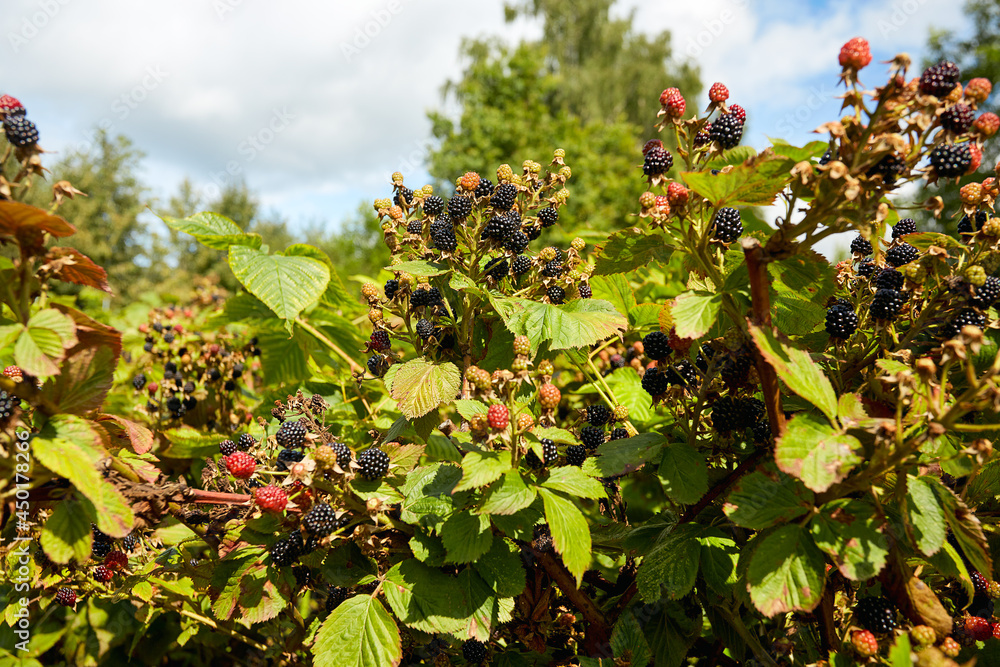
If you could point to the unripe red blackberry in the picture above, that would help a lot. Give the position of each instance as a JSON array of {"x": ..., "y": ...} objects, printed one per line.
[
  {"x": 240, "y": 465},
  {"x": 718, "y": 92},
  {"x": 727, "y": 131},
  {"x": 498, "y": 416},
  {"x": 658, "y": 161},
  {"x": 657, "y": 345},
  {"x": 957, "y": 118},
  {"x": 864, "y": 643},
  {"x": 739, "y": 112},
  {"x": 901, "y": 254},
  {"x": 951, "y": 160},
  {"x": 66, "y": 597},
  {"x": 940, "y": 79},
  {"x": 291, "y": 434},
  {"x": 855, "y": 54},
  {"x": 11, "y": 106},
  {"x": 987, "y": 124},
  {"x": 576, "y": 455},
  {"x": 727, "y": 226},
  {"x": 591, "y": 437},
  {"x": 549, "y": 396},
  {"x": 674, "y": 105},
  {"x": 271, "y": 498},
  {"x": 103, "y": 574},
  {"x": 374, "y": 463}
]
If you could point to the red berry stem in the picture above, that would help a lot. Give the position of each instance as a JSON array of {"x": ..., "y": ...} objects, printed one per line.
[{"x": 760, "y": 301}]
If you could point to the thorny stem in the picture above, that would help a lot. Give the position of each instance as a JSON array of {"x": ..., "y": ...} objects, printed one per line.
[{"x": 761, "y": 304}]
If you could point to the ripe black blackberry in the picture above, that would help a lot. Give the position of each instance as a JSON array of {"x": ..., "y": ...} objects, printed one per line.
[
  {"x": 591, "y": 437},
  {"x": 516, "y": 242},
  {"x": 598, "y": 414},
  {"x": 657, "y": 345},
  {"x": 727, "y": 130},
  {"x": 728, "y": 225},
  {"x": 403, "y": 198},
  {"x": 520, "y": 265},
  {"x": 336, "y": 595},
  {"x": 979, "y": 583},
  {"x": 504, "y": 197},
  {"x": 957, "y": 118},
  {"x": 20, "y": 131},
  {"x": 687, "y": 372},
  {"x": 425, "y": 328},
  {"x": 886, "y": 304},
  {"x": 655, "y": 382},
  {"x": 443, "y": 235},
  {"x": 286, "y": 551},
  {"x": 576, "y": 455},
  {"x": 827, "y": 156},
  {"x": 556, "y": 294},
  {"x": 939, "y": 80},
  {"x": 343, "y": 454},
  {"x": 861, "y": 246},
  {"x": 66, "y": 597},
  {"x": 169, "y": 337},
  {"x": 484, "y": 189},
  {"x": 903, "y": 227},
  {"x": 532, "y": 232},
  {"x": 548, "y": 216},
  {"x": 129, "y": 542},
  {"x": 617, "y": 361},
  {"x": 497, "y": 268},
  {"x": 964, "y": 317},
  {"x": 139, "y": 381},
  {"x": 286, "y": 456},
  {"x": 889, "y": 279},
  {"x": 841, "y": 321},
  {"x": 951, "y": 160},
  {"x": 889, "y": 168},
  {"x": 379, "y": 340},
  {"x": 415, "y": 227},
  {"x": 433, "y": 205},
  {"x": 658, "y": 161},
  {"x": 585, "y": 291},
  {"x": 901, "y": 254},
  {"x": 620, "y": 433},
  {"x": 988, "y": 292},
  {"x": 188, "y": 387},
  {"x": 867, "y": 268},
  {"x": 549, "y": 451},
  {"x": 474, "y": 651},
  {"x": 542, "y": 538},
  {"x": 495, "y": 228},
  {"x": 727, "y": 415},
  {"x": 969, "y": 225},
  {"x": 981, "y": 606},
  {"x": 762, "y": 431},
  {"x": 875, "y": 614},
  {"x": 374, "y": 463},
  {"x": 459, "y": 207},
  {"x": 320, "y": 521},
  {"x": 303, "y": 576},
  {"x": 735, "y": 369},
  {"x": 420, "y": 297},
  {"x": 227, "y": 447},
  {"x": 552, "y": 269},
  {"x": 291, "y": 434},
  {"x": 100, "y": 548},
  {"x": 7, "y": 405},
  {"x": 377, "y": 365}
]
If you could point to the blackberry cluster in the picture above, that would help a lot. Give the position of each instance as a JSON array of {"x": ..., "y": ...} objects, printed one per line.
[
  {"x": 380, "y": 340},
  {"x": 585, "y": 291},
  {"x": 841, "y": 321},
  {"x": 620, "y": 433},
  {"x": 988, "y": 292},
  {"x": 425, "y": 329},
  {"x": 969, "y": 225},
  {"x": 320, "y": 521},
  {"x": 548, "y": 216},
  {"x": 443, "y": 235},
  {"x": 875, "y": 614},
  {"x": 591, "y": 437},
  {"x": 951, "y": 160},
  {"x": 459, "y": 207},
  {"x": 904, "y": 227},
  {"x": 889, "y": 168},
  {"x": 374, "y": 463},
  {"x": 901, "y": 254},
  {"x": 484, "y": 189},
  {"x": 728, "y": 225},
  {"x": 576, "y": 455},
  {"x": 517, "y": 242},
  {"x": 939, "y": 80},
  {"x": 549, "y": 451},
  {"x": 886, "y": 304},
  {"x": 286, "y": 456},
  {"x": 658, "y": 161},
  {"x": 727, "y": 130},
  {"x": 20, "y": 131},
  {"x": 291, "y": 434},
  {"x": 861, "y": 246},
  {"x": 655, "y": 382},
  {"x": 336, "y": 595},
  {"x": 552, "y": 269},
  {"x": 245, "y": 442},
  {"x": 598, "y": 415},
  {"x": 957, "y": 118},
  {"x": 556, "y": 294},
  {"x": 343, "y": 454},
  {"x": 504, "y": 197},
  {"x": 966, "y": 316},
  {"x": 497, "y": 268},
  {"x": 286, "y": 551},
  {"x": 433, "y": 205},
  {"x": 889, "y": 279},
  {"x": 474, "y": 651},
  {"x": 657, "y": 345},
  {"x": 227, "y": 447},
  {"x": 520, "y": 265},
  {"x": 729, "y": 414}
]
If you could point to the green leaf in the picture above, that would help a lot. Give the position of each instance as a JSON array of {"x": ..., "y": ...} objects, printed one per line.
[
  {"x": 848, "y": 531},
  {"x": 671, "y": 632},
  {"x": 579, "y": 323},
  {"x": 466, "y": 536},
  {"x": 925, "y": 515},
  {"x": 672, "y": 567},
  {"x": 43, "y": 343},
  {"x": 743, "y": 186},
  {"x": 421, "y": 385},
  {"x": 627, "y": 386},
  {"x": 468, "y": 407},
  {"x": 427, "y": 549},
  {"x": 189, "y": 443},
  {"x": 694, "y": 313},
  {"x": 507, "y": 495},
  {"x": 794, "y": 315},
  {"x": 798, "y": 371},
  {"x": 358, "y": 633},
  {"x": 683, "y": 473},
  {"x": 627, "y": 640},
  {"x": 501, "y": 568},
  {"x": 482, "y": 468},
  {"x": 965, "y": 526},
  {"x": 758, "y": 501},
  {"x": 629, "y": 249},
  {"x": 924, "y": 240},
  {"x": 283, "y": 358},
  {"x": 424, "y": 598},
  {"x": 815, "y": 453},
  {"x": 616, "y": 291},
  {"x": 796, "y": 153},
  {"x": 286, "y": 285},
  {"x": 66, "y": 535},
  {"x": 419, "y": 268},
  {"x": 628, "y": 454},
  {"x": 213, "y": 230},
  {"x": 573, "y": 481},
  {"x": 484, "y": 611},
  {"x": 427, "y": 495},
  {"x": 786, "y": 572},
  {"x": 570, "y": 532},
  {"x": 899, "y": 654},
  {"x": 719, "y": 558},
  {"x": 557, "y": 435}
]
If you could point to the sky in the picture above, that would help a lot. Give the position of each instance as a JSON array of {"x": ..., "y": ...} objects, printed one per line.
[{"x": 314, "y": 104}]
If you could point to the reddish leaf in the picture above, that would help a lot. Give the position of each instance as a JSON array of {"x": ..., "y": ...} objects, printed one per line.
[
  {"x": 28, "y": 224},
  {"x": 72, "y": 266},
  {"x": 140, "y": 437}
]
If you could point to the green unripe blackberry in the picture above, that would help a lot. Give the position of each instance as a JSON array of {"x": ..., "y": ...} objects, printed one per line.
[
  {"x": 904, "y": 227},
  {"x": 657, "y": 345},
  {"x": 975, "y": 275},
  {"x": 591, "y": 437},
  {"x": 576, "y": 455},
  {"x": 504, "y": 197},
  {"x": 901, "y": 254},
  {"x": 861, "y": 246},
  {"x": 556, "y": 294},
  {"x": 291, "y": 434},
  {"x": 548, "y": 216},
  {"x": 875, "y": 614},
  {"x": 727, "y": 226},
  {"x": 374, "y": 463}
]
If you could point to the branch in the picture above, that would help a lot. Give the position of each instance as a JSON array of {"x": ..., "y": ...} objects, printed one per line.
[
  {"x": 598, "y": 632},
  {"x": 760, "y": 299},
  {"x": 748, "y": 464}
]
